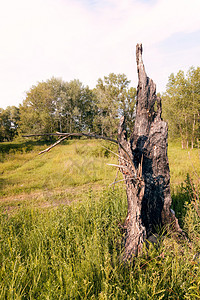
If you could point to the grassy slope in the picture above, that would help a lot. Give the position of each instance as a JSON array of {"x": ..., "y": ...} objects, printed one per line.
[
  {"x": 73, "y": 168},
  {"x": 62, "y": 175},
  {"x": 72, "y": 251}
]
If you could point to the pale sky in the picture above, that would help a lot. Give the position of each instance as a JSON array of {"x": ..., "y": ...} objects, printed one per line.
[{"x": 88, "y": 39}]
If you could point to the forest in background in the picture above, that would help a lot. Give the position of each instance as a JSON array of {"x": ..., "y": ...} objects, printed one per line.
[{"x": 59, "y": 106}]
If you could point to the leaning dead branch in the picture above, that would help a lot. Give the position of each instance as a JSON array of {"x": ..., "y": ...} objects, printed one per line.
[
  {"x": 118, "y": 166},
  {"x": 115, "y": 179},
  {"x": 76, "y": 134},
  {"x": 90, "y": 135},
  {"x": 52, "y": 146},
  {"x": 129, "y": 178}
]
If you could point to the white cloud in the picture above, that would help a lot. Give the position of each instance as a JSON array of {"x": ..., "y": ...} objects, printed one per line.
[{"x": 78, "y": 39}]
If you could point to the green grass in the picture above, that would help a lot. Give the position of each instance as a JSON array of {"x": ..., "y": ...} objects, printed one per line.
[
  {"x": 77, "y": 165},
  {"x": 60, "y": 233},
  {"x": 73, "y": 252},
  {"x": 183, "y": 162},
  {"x": 74, "y": 164}
]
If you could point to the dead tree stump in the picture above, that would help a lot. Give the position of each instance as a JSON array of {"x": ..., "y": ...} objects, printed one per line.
[{"x": 145, "y": 167}]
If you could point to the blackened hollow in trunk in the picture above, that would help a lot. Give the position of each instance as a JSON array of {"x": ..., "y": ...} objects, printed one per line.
[{"x": 146, "y": 167}]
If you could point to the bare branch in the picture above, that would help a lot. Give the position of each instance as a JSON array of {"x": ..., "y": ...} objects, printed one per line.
[
  {"x": 115, "y": 179},
  {"x": 129, "y": 178},
  {"x": 96, "y": 136},
  {"x": 118, "y": 166},
  {"x": 55, "y": 144}
]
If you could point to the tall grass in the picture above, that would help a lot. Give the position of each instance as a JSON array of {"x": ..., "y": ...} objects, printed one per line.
[{"x": 73, "y": 251}]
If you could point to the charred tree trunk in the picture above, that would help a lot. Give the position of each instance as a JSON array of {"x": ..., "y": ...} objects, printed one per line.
[
  {"x": 144, "y": 165},
  {"x": 145, "y": 168}
]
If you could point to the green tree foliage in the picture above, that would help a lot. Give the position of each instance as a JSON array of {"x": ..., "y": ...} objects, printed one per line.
[
  {"x": 61, "y": 106},
  {"x": 56, "y": 105},
  {"x": 37, "y": 110},
  {"x": 79, "y": 107},
  {"x": 114, "y": 99},
  {"x": 193, "y": 92},
  {"x": 181, "y": 104},
  {"x": 9, "y": 119}
]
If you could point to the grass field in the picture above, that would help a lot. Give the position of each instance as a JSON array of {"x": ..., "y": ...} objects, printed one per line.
[{"x": 60, "y": 233}]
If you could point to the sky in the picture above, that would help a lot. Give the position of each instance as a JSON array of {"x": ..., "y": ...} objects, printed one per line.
[{"x": 88, "y": 39}]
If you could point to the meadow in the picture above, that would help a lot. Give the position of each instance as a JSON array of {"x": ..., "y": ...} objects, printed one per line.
[{"x": 61, "y": 226}]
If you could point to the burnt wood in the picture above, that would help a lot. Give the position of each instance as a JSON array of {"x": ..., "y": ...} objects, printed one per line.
[{"x": 148, "y": 194}]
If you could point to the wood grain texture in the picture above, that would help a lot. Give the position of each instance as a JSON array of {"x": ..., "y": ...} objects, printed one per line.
[{"x": 148, "y": 194}]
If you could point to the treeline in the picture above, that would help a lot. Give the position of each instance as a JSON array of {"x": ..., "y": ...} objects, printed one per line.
[
  {"x": 181, "y": 106},
  {"x": 9, "y": 121},
  {"x": 56, "y": 105}
]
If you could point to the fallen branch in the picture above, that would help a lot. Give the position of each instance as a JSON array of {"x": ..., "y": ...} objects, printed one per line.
[{"x": 55, "y": 144}]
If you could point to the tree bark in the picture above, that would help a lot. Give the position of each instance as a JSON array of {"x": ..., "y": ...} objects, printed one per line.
[
  {"x": 148, "y": 182},
  {"x": 144, "y": 164}
]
